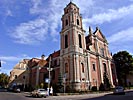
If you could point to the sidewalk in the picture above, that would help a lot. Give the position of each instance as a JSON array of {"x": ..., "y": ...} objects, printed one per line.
[{"x": 82, "y": 96}]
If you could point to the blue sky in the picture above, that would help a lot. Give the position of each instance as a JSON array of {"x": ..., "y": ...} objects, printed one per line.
[{"x": 30, "y": 28}]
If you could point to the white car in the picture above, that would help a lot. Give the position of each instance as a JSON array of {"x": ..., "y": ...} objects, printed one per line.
[{"x": 39, "y": 93}]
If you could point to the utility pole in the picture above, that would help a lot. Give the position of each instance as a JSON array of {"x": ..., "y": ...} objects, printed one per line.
[
  {"x": 0, "y": 63},
  {"x": 49, "y": 69}
]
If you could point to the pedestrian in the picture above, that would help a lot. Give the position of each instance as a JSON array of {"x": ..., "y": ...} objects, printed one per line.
[
  {"x": 51, "y": 91},
  {"x": 48, "y": 91}
]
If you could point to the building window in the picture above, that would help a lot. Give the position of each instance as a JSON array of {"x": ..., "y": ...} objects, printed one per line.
[
  {"x": 16, "y": 76},
  {"x": 66, "y": 68},
  {"x": 83, "y": 70},
  {"x": 66, "y": 22},
  {"x": 104, "y": 66},
  {"x": 53, "y": 74},
  {"x": 102, "y": 51},
  {"x": 66, "y": 41},
  {"x": 23, "y": 77},
  {"x": 77, "y": 21},
  {"x": 80, "y": 42},
  {"x": 55, "y": 62},
  {"x": 94, "y": 67}
]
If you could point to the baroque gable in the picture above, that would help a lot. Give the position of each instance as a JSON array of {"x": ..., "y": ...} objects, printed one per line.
[{"x": 100, "y": 35}]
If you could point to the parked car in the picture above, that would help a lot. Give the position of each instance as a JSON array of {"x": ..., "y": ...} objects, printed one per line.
[
  {"x": 14, "y": 89},
  {"x": 17, "y": 90},
  {"x": 39, "y": 93},
  {"x": 119, "y": 90}
]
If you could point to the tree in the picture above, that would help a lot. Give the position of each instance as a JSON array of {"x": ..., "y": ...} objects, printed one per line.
[
  {"x": 4, "y": 79},
  {"x": 124, "y": 66}
]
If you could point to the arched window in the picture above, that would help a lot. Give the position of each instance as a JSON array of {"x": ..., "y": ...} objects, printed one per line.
[
  {"x": 66, "y": 22},
  {"x": 66, "y": 41},
  {"x": 80, "y": 42},
  {"x": 83, "y": 70},
  {"x": 77, "y": 21}
]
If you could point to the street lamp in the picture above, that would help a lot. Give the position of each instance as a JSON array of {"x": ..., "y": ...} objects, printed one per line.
[{"x": 49, "y": 69}]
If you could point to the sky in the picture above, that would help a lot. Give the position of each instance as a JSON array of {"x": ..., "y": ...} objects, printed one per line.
[{"x": 30, "y": 28}]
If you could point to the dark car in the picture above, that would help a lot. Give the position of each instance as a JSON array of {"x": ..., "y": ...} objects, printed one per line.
[
  {"x": 14, "y": 89},
  {"x": 119, "y": 90},
  {"x": 17, "y": 90}
]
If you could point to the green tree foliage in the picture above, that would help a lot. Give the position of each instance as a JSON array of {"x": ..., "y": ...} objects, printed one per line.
[
  {"x": 4, "y": 79},
  {"x": 124, "y": 65}
]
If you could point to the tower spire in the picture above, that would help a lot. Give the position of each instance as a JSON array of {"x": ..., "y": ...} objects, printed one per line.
[{"x": 90, "y": 31}]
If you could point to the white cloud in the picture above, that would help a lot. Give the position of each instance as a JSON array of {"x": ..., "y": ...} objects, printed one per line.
[
  {"x": 9, "y": 13},
  {"x": 3, "y": 62},
  {"x": 35, "y": 9},
  {"x": 122, "y": 36},
  {"x": 4, "y": 70},
  {"x": 111, "y": 14},
  {"x": 31, "y": 32},
  {"x": 49, "y": 14},
  {"x": 121, "y": 41},
  {"x": 48, "y": 21},
  {"x": 13, "y": 58}
]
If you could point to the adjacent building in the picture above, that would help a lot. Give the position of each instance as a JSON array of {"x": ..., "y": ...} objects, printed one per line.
[{"x": 19, "y": 76}]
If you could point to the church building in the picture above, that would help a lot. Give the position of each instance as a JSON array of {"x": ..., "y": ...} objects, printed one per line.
[{"x": 81, "y": 62}]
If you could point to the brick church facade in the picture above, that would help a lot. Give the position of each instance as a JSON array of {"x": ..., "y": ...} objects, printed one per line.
[{"x": 81, "y": 60}]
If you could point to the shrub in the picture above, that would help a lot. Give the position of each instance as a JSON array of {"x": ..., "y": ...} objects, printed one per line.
[
  {"x": 94, "y": 88},
  {"x": 101, "y": 87}
]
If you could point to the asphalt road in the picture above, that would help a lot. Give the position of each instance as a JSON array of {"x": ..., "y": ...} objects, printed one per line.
[{"x": 25, "y": 96}]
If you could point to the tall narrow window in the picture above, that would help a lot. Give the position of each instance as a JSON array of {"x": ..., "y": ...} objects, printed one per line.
[
  {"x": 66, "y": 41},
  {"x": 53, "y": 74},
  {"x": 83, "y": 70},
  {"x": 66, "y": 68},
  {"x": 104, "y": 65},
  {"x": 80, "y": 42},
  {"x": 102, "y": 51},
  {"x": 16, "y": 76},
  {"x": 94, "y": 67},
  {"x": 77, "y": 21},
  {"x": 55, "y": 62},
  {"x": 66, "y": 22}
]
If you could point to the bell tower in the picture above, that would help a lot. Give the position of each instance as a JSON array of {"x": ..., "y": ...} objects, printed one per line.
[{"x": 72, "y": 58}]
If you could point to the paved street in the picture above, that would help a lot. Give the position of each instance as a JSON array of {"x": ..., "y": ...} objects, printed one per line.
[{"x": 102, "y": 96}]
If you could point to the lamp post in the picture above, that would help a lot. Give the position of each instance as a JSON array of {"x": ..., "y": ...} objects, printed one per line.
[
  {"x": 0, "y": 65},
  {"x": 49, "y": 69}
]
